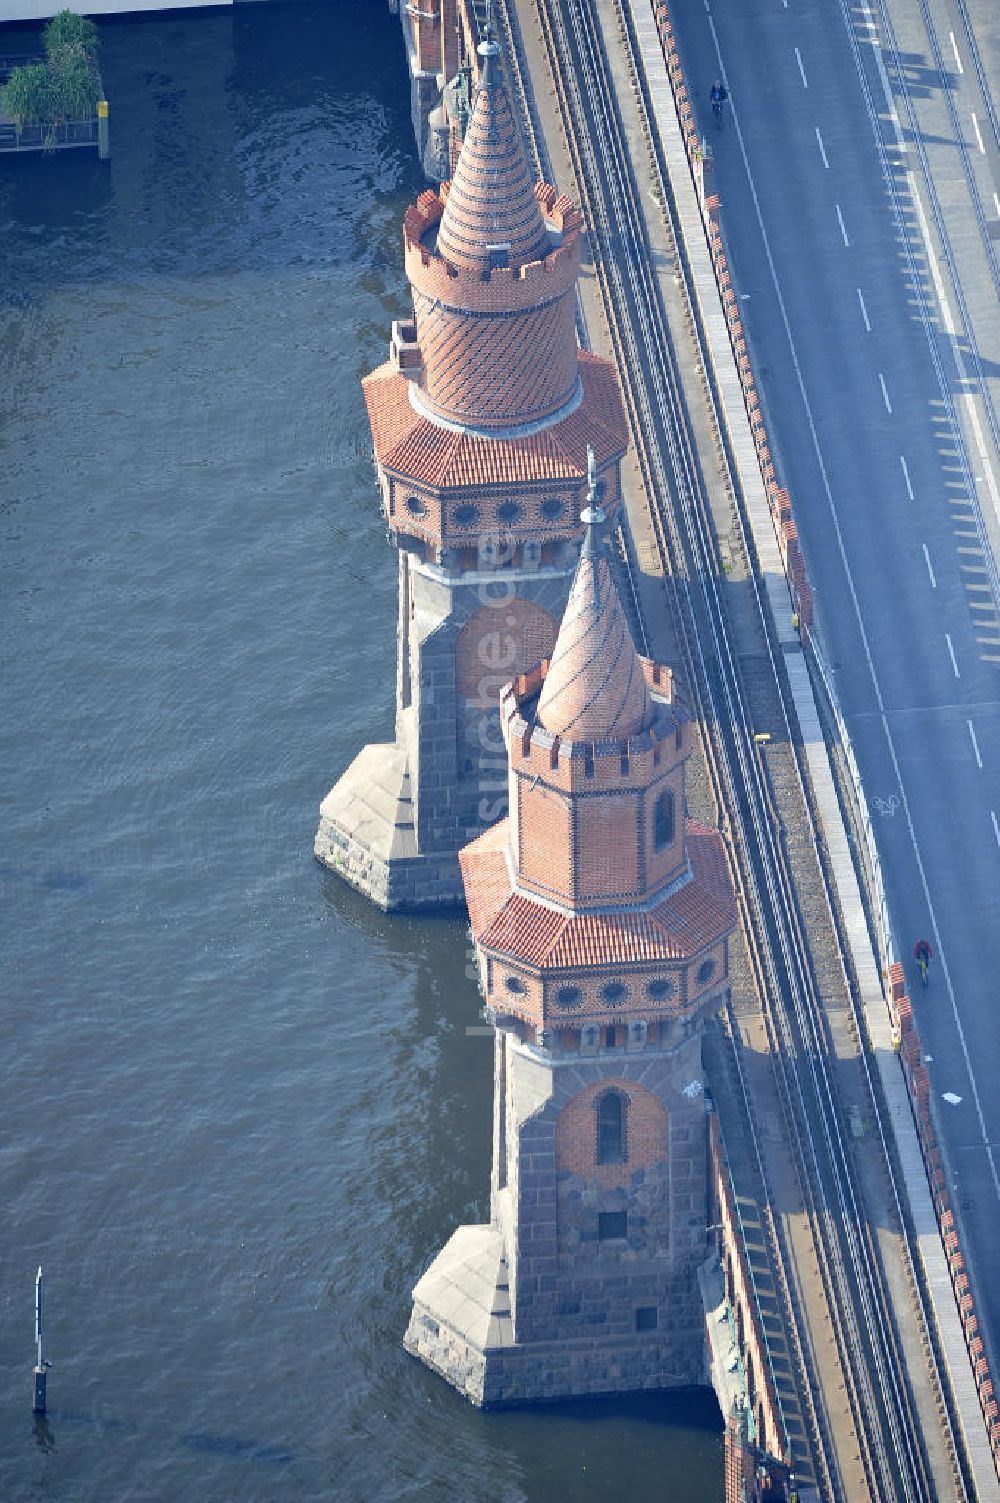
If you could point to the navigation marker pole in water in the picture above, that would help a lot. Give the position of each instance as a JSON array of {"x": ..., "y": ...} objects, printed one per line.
[{"x": 41, "y": 1364}]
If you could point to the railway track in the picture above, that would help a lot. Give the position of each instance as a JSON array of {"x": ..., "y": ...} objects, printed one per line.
[{"x": 892, "y": 1461}]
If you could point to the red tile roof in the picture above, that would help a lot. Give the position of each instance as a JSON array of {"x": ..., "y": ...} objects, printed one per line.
[
  {"x": 492, "y": 198},
  {"x": 595, "y": 689},
  {"x": 508, "y": 923},
  {"x": 411, "y": 446}
]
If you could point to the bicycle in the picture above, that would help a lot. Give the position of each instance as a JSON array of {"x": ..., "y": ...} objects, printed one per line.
[
  {"x": 922, "y": 954},
  {"x": 718, "y": 97}
]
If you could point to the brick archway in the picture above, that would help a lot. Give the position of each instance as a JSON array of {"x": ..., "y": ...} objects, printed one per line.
[{"x": 496, "y": 644}]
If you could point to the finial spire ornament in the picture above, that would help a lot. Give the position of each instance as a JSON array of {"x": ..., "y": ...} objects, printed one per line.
[
  {"x": 489, "y": 50},
  {"x": 592, "y": 516},
  {"x": 492, "y": 217}
]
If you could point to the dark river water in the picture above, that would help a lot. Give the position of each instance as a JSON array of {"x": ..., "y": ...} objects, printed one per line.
[{"x": 239, "y": 1109}]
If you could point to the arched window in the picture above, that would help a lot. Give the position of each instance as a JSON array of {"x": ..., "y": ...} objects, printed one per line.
[
  {"x": 663, "y": 821},
  {"x": 612, "y": 1147}
]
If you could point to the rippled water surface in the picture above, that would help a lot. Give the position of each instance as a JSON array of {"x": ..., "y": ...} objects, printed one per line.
[{"x": 239, "y": 1108}]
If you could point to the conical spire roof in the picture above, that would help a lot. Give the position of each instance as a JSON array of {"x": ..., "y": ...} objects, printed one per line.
[
  {"x": 492, "y": 200},
  {"x": 595, "y": 689}
]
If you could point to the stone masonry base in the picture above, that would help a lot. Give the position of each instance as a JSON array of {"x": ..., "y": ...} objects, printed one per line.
[
  {"x": 366, "y": 835},
  {"x": 461, "y": 1328}
]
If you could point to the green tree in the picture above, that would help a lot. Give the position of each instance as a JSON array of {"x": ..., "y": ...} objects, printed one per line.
[
  {"x": 76, "y": 88},
  {"x": 29, "y": 96},
  {"x": 66, "y": 86},
  {"x": 70, "y": 33}
]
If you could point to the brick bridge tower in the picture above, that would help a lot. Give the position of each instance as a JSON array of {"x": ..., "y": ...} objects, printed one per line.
[
  {"x": 481, "y": 421},
  {"x": 601, "y": 917}
]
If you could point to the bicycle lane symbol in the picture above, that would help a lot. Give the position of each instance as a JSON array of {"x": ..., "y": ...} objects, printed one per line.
[{"x": 886, "y": 807}]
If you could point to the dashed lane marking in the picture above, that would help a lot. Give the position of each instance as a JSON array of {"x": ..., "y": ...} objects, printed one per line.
[
  {"x": 885, "y": 394},
  {"x": 864, "y": 310},
  {"x": 927, "y": 561},
  {"x": 954, "y": 48},
  {"x": 951, "y": 654},
  {"x": 979, "y": 134},
  {"x": 906, "y": 476},
  {"x": 822, "y": 149},
  {"x": 843, "y": 229},
  {"x": 975, "y": 744},
  {"x": 802, "y": 71}
]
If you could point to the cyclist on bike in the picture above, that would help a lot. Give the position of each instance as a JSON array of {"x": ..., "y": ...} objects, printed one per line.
[
  {"x": 719, "y": 94},
  {"x": 923, "y": 954}
]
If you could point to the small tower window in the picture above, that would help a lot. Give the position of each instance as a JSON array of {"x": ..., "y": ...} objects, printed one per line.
[
  {"x": 509, "y": 511},
  {"x": 465, "y": 515},
  {"x": 705, "y": 972},
  {"x": 516, "y": 985},
  {"x": 612, "y": 1226},
  {"x": 415, "y": 506},
  {"x": 552, "y": 508},
  {"x": 569, "y": 997},
  {"x": 614, "y": 993},
  {"x": 612, "y": 1145},
  {"x": 663, "y": 821},
  {"x": 661, "y": 989}
]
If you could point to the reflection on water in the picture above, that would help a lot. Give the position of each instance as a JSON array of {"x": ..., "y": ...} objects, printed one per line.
[{"x": 241, "y": 1109}]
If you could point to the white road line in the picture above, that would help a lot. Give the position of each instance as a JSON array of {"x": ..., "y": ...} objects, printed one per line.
[
  {"x": 979, "y": 134},
  {"x": 996, "y": 201},
  {"x": 802, "y": 71},
  {"x": 885, "y": 394},
  {"x": 996, "y": 827},
  {"x": 951, "y": 654},
  {"x": 906, "y": 477},
  {"x": 965, "y": 400},
  {"x": 843, "y": 231},
  {"x": 883, "y": 713},
  {"x": 864, "y": 310},
  {"x": 887, "y": 91},
  {"x": 927, "y": 561},
  {"x": 822, "y": 149},
  {"x": 954, "y": 48},
  {"x": 975, "y": 744}
]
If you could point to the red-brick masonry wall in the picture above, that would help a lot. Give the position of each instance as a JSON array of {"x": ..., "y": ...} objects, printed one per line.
[
  {"x": 647, "y": 1134},
  {"x": 425, "y": 25},
  {"x": 778, "y": 499},
  {"x": 739, "y": 1465},
  {"x": 918, "y": 1084},
  {"x": 742, "y": 1297}
]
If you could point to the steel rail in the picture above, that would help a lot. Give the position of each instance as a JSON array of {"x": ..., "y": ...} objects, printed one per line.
[
  {"x": 643, "y": 425},
  {"x": 814, "y": 1033},
  {"x": 784, "y": 923}
]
